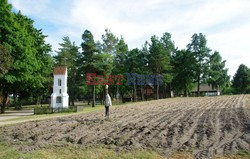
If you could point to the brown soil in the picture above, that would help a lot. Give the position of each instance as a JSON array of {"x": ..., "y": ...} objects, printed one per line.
[{"x": 204, "y": 126}]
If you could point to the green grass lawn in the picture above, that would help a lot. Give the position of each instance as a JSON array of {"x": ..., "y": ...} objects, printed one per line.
[
  {"x": 86, "y": 109},
  {"x": 72, "y": 152}
]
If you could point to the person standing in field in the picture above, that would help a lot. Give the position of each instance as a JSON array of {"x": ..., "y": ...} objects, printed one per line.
[{"x": 108, "y": 102}]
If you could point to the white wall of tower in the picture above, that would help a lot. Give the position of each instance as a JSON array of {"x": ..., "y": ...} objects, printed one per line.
[{"x": 60, "y": 91}]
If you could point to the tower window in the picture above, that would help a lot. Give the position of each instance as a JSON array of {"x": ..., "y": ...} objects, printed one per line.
[
  {"x": 58, "y": 99},
  {"x": 60, "y": 91},
  {"x": 59, "y": 82}
]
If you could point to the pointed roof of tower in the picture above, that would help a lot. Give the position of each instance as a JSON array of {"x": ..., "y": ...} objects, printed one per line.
[{"x": 61, "y": 70}]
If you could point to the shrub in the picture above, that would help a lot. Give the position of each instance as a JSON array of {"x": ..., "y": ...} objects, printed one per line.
[{"x": 49, "y": 110}]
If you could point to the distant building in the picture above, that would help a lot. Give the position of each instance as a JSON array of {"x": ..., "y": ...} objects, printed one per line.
[
  {"x": 205, "y": 90},
  {"x": 60, "y": 97}
]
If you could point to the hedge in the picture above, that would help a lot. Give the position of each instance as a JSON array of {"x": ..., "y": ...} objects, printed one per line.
[{"x": 49, "y": 110}]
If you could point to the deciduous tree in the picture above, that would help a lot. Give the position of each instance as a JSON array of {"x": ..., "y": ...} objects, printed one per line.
[{"x": 241, "y": 80}]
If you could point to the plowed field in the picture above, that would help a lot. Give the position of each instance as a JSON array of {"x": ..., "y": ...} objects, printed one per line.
[{"x": 205, "y": 126}]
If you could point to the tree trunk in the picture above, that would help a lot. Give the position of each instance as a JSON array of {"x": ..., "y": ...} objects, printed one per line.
[
  {"x": 117, "y": 92},
  {"x": 157, "y": 92},
  {"x": 198, "y": 89},
  {"x": 15, "y": 100},
  {"x": 185, "y": 92},
  {"x": 134, "y": 92},
  {"x": 123, "y": 101},
  {"x": 4, "y": 102},
  {"x": 198, "y": 86},
  {"x": 3, "y": 108},
  {"x": 93, "y": 96},
  {"x": 101, "y": 98},
  {"x": 146, "y": 93},
  {"x": 73, "y": 98},
  {"x": 88, "y": 96},
  {"x": 89, "y": 99},
  {"x": 142, "y": 92},
  {"x": 103, "y": 95},
  {"x": 164, "y": 90},
  {"x": 38, "y": 100}
]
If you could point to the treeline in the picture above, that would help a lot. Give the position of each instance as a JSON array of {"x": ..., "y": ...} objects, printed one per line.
[
  {"x": 26, "y": 64},
  {"x": 181, "y": 69}
]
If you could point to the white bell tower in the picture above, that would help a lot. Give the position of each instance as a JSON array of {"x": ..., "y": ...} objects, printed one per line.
[{"x": 60, "y": 97}]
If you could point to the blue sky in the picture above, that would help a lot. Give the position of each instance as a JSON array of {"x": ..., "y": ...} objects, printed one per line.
[{"x": 226, "y": 23}]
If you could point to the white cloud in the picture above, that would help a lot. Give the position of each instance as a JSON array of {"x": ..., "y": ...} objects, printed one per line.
[{"x": 225, "y": 22}]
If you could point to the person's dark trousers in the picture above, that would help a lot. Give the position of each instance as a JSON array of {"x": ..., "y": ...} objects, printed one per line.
[{"x": 106, "y": 111}]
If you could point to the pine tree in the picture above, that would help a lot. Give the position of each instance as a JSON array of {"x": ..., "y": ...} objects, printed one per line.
[
  {"x": 218, "y": 77},
  {"x": 159, "y": 59},
  {"x": 184, "y": 68},
  {"x": 201, "y": 52},
  {"x": 68, "y": 56}
]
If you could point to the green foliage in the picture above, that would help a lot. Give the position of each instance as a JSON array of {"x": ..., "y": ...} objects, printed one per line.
[
  {"x": 5, "y": 61},
  {"x": 120, "y": 57},
  {"x": 49, "y": 110},
  {"x": 94, "y": 58},
  {"x": 184, "y": 67},
  {"x": 68, "y": 56},
  {"x": 26, "y": 66},
  {"x": 228, "y": 90},
  {"x": 120, "y": 67},
  {"x": 241, "y": 80},
  {"x": 201, "y": 53},
  {"x": 159, "y": 58},
  {"x": 43, "y": 110},
  {"x": 218, "y": 77},
  {"x": 109, "y": 42},
  {"x": 32, "y": 64}
]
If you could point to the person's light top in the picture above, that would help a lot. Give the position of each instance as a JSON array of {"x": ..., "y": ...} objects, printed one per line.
[{"x": 108, "y": 101}]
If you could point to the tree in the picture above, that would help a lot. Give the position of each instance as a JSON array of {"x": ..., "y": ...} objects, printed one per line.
[
  {"x": 170, "y": 51},
  {"x": 92, "y": 60},
  {"x": 68, "y": 56},
  {"x": 159, "y": 60},
  {"x": 184, "y": 66},
  {"x": 5, "y": 61},
  {"x": 119, "y": 65},
  {"x": 133, "y": 68},
  {"x": 29, "y": 51},
  {"x": 143, "y": 59},
  {"x": 109, "y": 50},
  {"x": 241, "y": 80},
  {"x": 201, "y": 53},
  {"x": 109, "y": 42},
  {"x": 217, "y": 75}
]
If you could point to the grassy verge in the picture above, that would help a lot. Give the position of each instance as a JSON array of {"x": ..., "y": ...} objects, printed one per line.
[
  {"x": 86, "y": 109},
  {"x": 72, "y": 152}
]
